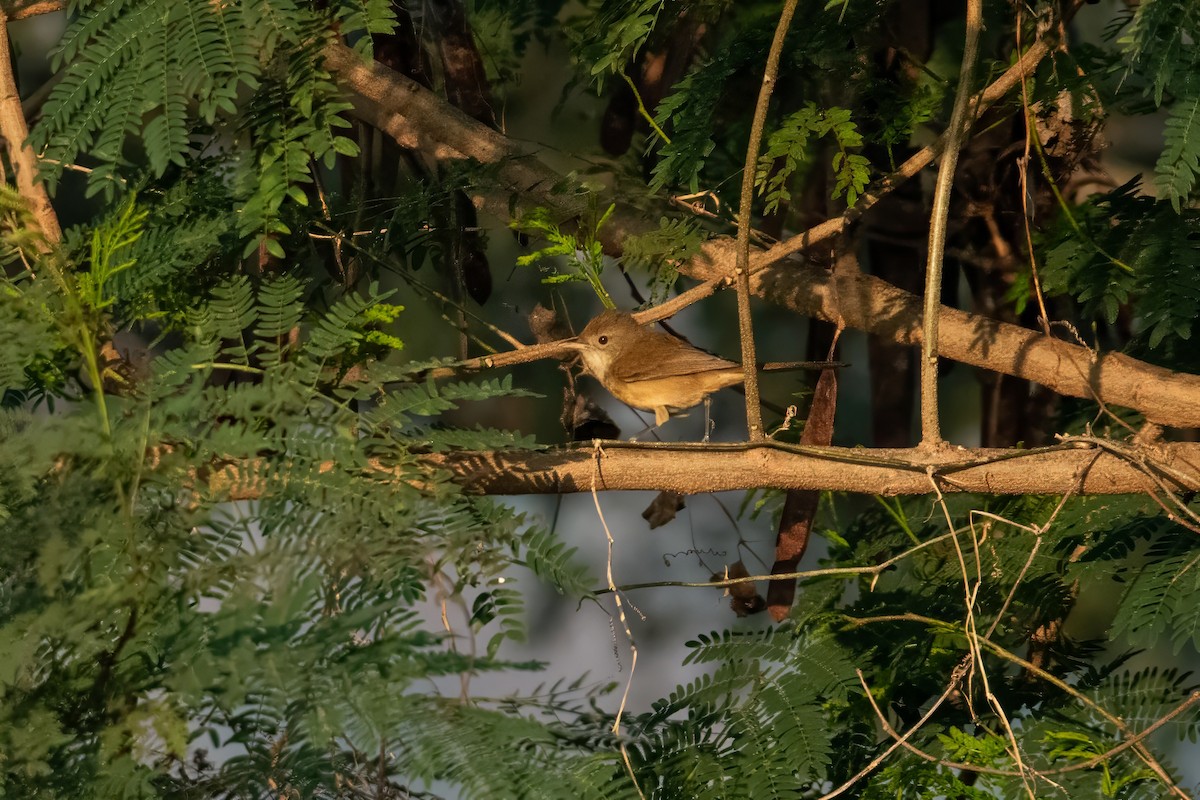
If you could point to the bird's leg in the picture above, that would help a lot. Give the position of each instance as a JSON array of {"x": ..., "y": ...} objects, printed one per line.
[
  {"x": 709, "y": 425},
  {"x": 653, "y": 429},
  {"x": 647, "y": 429}
]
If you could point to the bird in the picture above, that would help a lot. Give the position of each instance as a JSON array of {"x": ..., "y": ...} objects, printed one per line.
[{"x": 648, "y": 369}]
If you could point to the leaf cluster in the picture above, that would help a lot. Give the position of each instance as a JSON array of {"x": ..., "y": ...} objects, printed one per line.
[
  {"x": 148, "y": 86},
  {"x": 581, "y": 250},
  {"x": 788, "y": 148},
  {"x": 700, "y": 124},
  {"x": 757, "y": 725},
  {"x": 1160, "y": 45},
  {"x": 1111, "y": 252}
]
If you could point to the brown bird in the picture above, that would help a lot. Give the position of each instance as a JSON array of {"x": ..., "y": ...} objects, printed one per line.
[{"x": 648, "y": 369}]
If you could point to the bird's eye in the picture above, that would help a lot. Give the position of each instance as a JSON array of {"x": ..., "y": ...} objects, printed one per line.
[{"x": 603, "y": 340}]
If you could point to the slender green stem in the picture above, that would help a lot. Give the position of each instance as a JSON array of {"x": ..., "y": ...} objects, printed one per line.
[
  {"x": 92, "y": 365},
  {"x": 1065, "y": 207},
  {"x": 229, "y": 366},
  {"x": 136, "y": 481},
  {"x": 897, "y": 517},
  {"x": 646, "y": 115}
]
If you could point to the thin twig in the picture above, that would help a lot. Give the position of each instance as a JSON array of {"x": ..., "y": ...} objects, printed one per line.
[
  {"x": 646, "y": 115},
  {"x": 597, "y": 453},
  {"x": 1142, "y": 464},
  {"x": 910, "y": 747},
  {"x": 849, "y": 572},
  {"x": 461, "y": 307},
  {"x": 1037, "y": 542},
  {"x": 970, "y": 629},
  {"x": 1023, "y": 169}
]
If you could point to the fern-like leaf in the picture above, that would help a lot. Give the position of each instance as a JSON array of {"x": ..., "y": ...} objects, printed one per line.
[
  {"x": 1179, "y": 163},
  {"x": 1157, "y": 41}
]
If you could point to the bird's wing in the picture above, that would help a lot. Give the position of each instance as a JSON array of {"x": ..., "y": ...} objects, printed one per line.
[{"x": 683, "y": 360}]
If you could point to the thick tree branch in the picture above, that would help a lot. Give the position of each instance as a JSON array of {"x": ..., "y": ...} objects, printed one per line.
[
  {"x": 715, "y": 468},
  {"x": 416, "y": 118},
  {"x": 1076, "y": 467}
]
